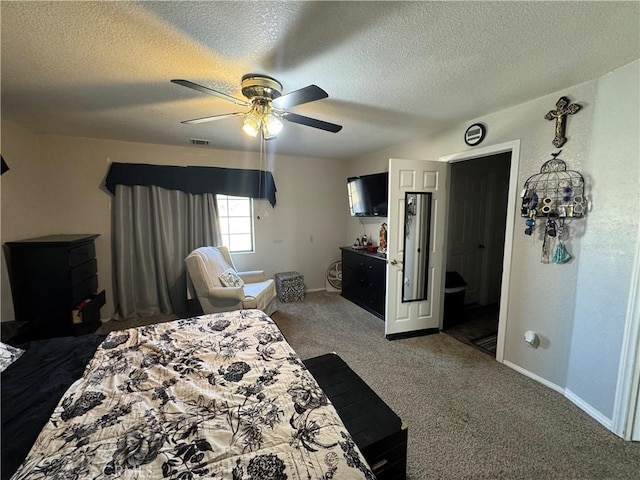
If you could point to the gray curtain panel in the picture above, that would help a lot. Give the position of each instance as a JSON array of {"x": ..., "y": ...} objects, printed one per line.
[{"x": 154, "y": 230}]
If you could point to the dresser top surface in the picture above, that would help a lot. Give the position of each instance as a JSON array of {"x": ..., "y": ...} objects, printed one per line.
[
  {"x": 364, "y": 252},
  {"x": 60, "y": 239}
]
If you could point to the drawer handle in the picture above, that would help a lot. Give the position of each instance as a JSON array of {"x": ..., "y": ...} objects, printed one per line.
[{"x": 378, "y": 465}]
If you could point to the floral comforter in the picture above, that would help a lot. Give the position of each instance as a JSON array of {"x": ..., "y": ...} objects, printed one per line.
[{"x": 216, "y": 396}]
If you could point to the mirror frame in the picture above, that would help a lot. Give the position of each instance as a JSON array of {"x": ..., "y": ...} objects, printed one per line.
[{"x": 425, "y": 219}]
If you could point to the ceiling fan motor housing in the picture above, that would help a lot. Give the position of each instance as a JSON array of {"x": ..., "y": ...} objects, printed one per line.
[{"x": 261, "y": 86}]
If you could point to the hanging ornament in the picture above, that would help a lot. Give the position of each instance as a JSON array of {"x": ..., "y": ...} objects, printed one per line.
[
  {"x": 551, "y": 228},
  {"x": 561, "y": 255},
  {"x": 530, "y": 223},
  {"x": 546, "y": 249}
]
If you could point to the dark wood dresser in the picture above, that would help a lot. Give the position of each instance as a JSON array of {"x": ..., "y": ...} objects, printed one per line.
[
  {"x": 364, "y": 277},
  {"x": 54, "y": 281}
]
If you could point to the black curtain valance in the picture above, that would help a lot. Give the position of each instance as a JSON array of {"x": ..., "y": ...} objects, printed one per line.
[{"x": 195, "y": 180}]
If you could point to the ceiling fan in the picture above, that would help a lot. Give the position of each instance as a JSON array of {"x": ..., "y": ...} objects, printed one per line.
[{"x": 267, "y": 105}]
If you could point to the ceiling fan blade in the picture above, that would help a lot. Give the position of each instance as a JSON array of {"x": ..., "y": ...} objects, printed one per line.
[
  {"x": 213, "y": 118},
  {"x": 298, "y": 97},
  {"x": 209, "y": 91},
  {"x": 311, "y": 122}
]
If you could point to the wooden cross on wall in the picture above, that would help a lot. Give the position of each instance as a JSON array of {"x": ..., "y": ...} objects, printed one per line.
[{"x": 564, "y": 108}]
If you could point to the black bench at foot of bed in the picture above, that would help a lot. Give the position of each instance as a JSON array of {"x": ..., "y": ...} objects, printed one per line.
[{"x": 377, "y": 430}]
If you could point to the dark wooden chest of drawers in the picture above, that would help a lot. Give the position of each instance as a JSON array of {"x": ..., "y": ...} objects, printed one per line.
[
  {"x": 378, "y": 432},
  {"x": 364, "y": 279},
  {"x": 54, "y": 282}
]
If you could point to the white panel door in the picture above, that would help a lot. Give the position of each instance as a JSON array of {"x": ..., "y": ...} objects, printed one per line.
[{"x": 415, "y": 176}]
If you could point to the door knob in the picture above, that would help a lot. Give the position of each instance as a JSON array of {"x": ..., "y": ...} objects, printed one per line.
[{"x": 395, "y": 262}]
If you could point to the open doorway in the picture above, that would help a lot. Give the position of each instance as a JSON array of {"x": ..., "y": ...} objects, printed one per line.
[{"x": 479, "y": 194}]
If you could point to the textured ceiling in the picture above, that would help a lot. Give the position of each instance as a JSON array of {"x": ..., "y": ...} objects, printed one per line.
[{"x": 393, "y": 70}]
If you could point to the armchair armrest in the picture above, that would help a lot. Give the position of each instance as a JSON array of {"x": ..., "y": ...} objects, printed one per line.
[
  {"x": 253, "y": 276},
  {"x": 235, "y": 293}
]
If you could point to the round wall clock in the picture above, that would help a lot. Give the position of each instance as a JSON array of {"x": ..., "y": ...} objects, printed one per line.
[{"x": 475, "y": 134}]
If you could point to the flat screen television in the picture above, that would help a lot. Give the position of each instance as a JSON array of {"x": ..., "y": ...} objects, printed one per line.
[{"x": 368, "y": 195}]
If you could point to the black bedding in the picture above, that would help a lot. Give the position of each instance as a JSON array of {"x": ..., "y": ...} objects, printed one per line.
[{"x": 33, "y": 386}]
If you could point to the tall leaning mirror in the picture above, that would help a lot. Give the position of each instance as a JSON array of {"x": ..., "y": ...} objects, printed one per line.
[{"x": 417, "y": 230}]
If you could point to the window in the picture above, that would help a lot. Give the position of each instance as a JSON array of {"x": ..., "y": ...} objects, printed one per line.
[{"x": 235, "y": 215}]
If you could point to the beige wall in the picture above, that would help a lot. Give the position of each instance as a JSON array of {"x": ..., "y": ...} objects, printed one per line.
[
  {"x": 54, "y": 185},
  {"x": 16, "y": 204},
  {"x": 603, "y": 145}
]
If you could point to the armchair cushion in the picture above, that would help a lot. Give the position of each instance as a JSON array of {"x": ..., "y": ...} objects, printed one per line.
[
  {"x": 225, "y": 294},
  {"x": 259, "y": 295},
  {"x": 252, "y": 276},
  {"x": 230, "y": 278}
]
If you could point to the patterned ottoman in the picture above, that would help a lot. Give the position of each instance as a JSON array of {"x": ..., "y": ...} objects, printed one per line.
[{"x": 289, "y": 286}]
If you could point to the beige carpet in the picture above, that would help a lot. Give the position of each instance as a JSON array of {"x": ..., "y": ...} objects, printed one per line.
[{"x": 469, "y": 417}]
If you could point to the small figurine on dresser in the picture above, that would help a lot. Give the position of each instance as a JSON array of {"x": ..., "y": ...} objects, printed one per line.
[{"x": 383, "y": 239}]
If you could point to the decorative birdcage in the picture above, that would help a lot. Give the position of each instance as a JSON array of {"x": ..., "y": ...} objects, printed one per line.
[{"x": 555, "y": 191}]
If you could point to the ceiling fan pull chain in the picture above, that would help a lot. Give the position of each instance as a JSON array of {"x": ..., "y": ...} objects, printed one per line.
[{"x": 262, "y": 171}]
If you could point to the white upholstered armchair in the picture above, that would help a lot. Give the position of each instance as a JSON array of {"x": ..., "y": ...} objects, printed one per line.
[{"x": 220, "y": 287}]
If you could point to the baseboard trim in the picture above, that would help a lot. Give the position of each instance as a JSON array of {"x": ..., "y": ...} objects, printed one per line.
[
  {"x": 414, "y": 333},
  {"x": 568, "y": 394},
  {"x": 589, "y": 410},
  {"x": 310, "y": 290},
  {"x": 535, "y": 377}
]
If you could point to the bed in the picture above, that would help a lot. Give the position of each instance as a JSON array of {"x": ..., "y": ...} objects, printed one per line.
[{"x": 215, "y": 396}]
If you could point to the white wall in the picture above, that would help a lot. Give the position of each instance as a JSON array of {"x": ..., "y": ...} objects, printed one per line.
[
  {"x": 54, "y": 185},
  {"x": 610, "y": 237},
  {"x": 547, "y": 298}
]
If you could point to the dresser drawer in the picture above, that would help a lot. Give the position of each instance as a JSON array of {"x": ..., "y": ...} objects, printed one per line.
[
  {"x": 84, "y": 271},
  {"x": 89, "y": 311},
  {"x": 83, "y": 290},
  {"x": 81, "y": 254}
]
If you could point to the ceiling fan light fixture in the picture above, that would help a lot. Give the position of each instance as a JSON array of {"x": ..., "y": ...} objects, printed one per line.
[
  {"x": 250, "y": 126},
  {"x": 273, "y": 124},
  {"x": 266, "y": 135}
]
